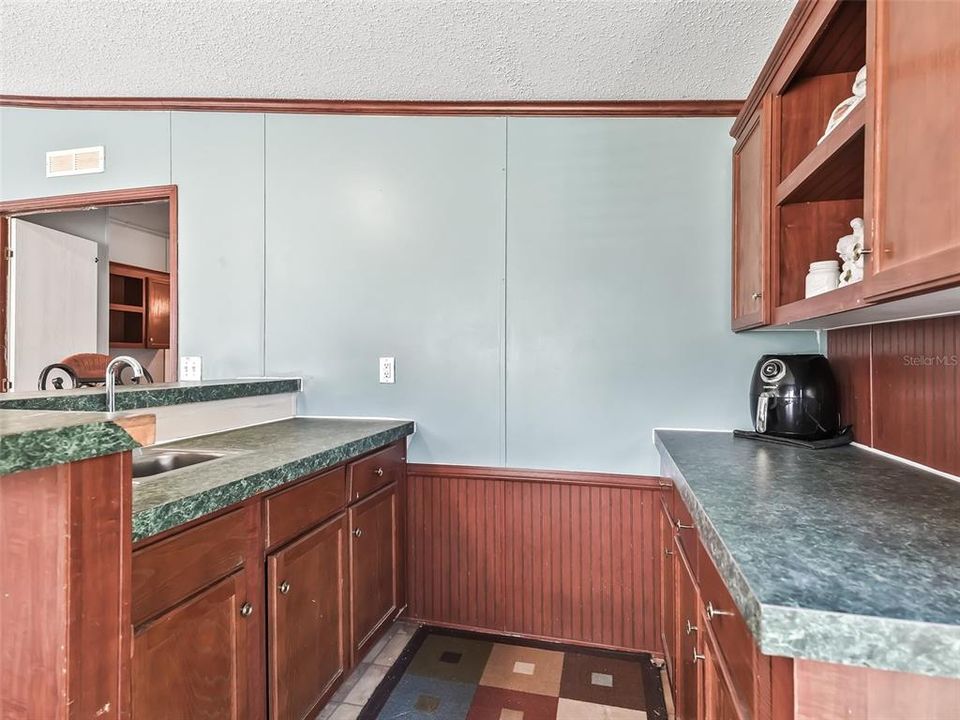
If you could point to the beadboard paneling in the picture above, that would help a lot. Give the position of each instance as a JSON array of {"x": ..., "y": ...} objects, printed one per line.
[
  {"x": 912, "y": 396},
  {"x": 560, "y": 556}
]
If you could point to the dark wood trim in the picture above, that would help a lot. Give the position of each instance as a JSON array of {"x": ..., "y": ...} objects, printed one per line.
[
  {"x": 548, "y": 108},
  {"x": 788, "y": 37},
  {"x": 564, "y": 477},
  {"x": 83, "y": 201}
]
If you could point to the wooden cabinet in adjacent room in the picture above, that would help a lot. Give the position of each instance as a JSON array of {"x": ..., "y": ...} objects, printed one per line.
[
  {"x": 190, "y": 661},
  {"x": 916, "y": 237},
  {"x": 750, "y": 218},
  {"x": 307, "y": 629},
  {"x": 373, "y": 566},
  {"x": 158, "y": 312}
]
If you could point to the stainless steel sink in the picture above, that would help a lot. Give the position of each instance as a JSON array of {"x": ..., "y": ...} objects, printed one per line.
[{"x": 153, "y": 462}]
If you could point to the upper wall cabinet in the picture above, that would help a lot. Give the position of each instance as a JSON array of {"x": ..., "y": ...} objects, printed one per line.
[
  {"x": 750, "y": 218},
  {"x": 889, "y": 159},
  {"x": 916, "y": 174}
]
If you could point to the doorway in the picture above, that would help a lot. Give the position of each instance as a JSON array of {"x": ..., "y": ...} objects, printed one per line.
[{"x": 85, "y": 278}]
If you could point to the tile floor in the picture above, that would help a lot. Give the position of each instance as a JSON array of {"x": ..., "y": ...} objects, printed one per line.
[
  {"x": 462, "y": 677},
  {"x": 349, "y": 699}
]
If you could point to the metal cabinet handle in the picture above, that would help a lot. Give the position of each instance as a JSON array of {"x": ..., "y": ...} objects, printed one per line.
[
  {"x": 246, "y": 609},
  {"x": 681, "y": 526},
  {"x": 712, "y": 612},
  {"x": 697, "y": 656},
  {"x": 378, "y": 472},
  {"x": 757, "y": 295},
  {"x": 691, "y": 628},
  {"x": 357, "y": 532},
  {"x": 284, "y": 587},
  {"x": 667, "y": 551}
]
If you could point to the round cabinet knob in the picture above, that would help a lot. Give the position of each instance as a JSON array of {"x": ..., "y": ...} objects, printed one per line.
[
  {"x": 284, "y": 587},
  {"x": 246, "y": 609},
  {"x": 357, "y": 532},
  {"x": 697, "y": 656},
  {"x": 757, "y": 295},
  {"x": 378, "y": 472},
  {"x": 691, "y": 628}
]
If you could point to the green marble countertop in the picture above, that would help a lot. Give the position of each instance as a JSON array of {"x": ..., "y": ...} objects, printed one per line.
[
  {"x": 31, "y": 439},
  {"x": 134, "y": 397},
  {"x": 256, "y": 459},
  {"x": 838, "y": 555}
]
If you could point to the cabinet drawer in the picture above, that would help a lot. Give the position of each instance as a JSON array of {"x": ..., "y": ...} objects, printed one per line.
[
  {"x": 376, "y": 471},
  {"x": 296, "y": 509},
  {"x": 173, "y": 569},
  {"x": 734, "y": 640}
]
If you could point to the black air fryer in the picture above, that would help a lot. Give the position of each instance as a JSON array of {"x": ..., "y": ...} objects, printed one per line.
[{"x": 795, "y": 396}]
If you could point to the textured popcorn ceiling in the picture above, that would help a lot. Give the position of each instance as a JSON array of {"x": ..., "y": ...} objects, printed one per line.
[{"x": 388, "y": 49}]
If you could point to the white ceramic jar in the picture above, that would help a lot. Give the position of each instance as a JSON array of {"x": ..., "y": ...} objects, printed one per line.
[{"x": 823, "y": 277}]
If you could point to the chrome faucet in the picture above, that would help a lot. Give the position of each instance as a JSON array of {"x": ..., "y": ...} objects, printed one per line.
[{"x": 111, "y": 378}]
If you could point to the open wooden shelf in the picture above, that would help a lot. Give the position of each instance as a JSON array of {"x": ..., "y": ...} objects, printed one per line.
[
  {"x": 835, "y": 301},
  {"x": 120, "y": 307},
  {"x": 833, "y": 170}
]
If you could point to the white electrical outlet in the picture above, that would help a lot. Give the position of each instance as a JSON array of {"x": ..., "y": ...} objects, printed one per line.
[
  {"x": 191, "y": 368},
  {"x": 387, "y": 370}
]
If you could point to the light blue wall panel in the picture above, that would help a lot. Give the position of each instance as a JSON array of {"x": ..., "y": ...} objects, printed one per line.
[
  {"x": 618, "y": 291},
  {"x": 218, "y": 167},
  {"x": 137, "y": 147},
  {"x": 385, "y": 238}
]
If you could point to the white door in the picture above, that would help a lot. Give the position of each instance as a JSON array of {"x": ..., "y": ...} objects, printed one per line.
[{"x": 53, "y": 300}]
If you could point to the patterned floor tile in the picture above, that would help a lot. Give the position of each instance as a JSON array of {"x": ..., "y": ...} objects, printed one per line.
[
  {"x": 578, "y": 710},
  {"x": 451, "y": 658},
  {"x": 603, "y": 681},
  {"x": 525, "y": 669},
  {"x": 424, "y": 698},
  {"x": 490, "y": 703}
]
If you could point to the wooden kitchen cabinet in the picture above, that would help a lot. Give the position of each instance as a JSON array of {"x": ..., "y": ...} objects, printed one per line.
[
  {"x": 668, "y": 595},
  {"x": 688, "y": 664},
  {"x": 158, "y": 312},
  {"x": 190, "y": 661},
  {"x": 373, "y": 566},
  {"x": 750, "y": 221},
  {"x": 718, "y": 699},
  {"x": 307, "y": 635},
  {"x": 916, "y": 81}
]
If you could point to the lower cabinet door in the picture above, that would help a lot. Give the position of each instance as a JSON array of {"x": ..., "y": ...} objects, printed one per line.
[
  {"x": 191, "y": 662},
  {"x": 718, "y": 702},
  {"x": 668, "y": 594},
  {"x": 689, "y": 662},
  {"x": 306, "y": 633},
  {"x": 373, "y": 566}
]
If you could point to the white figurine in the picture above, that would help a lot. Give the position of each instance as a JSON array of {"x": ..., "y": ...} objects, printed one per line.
[
  {"x": 859, "y": 90},
  {"x": 850, "y": 250}
]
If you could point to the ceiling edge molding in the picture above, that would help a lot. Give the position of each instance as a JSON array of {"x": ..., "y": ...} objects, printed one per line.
[{"x": 579, "y": 108}]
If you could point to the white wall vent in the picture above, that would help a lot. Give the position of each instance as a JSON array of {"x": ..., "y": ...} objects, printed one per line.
[{"x": 78, "y": 161}]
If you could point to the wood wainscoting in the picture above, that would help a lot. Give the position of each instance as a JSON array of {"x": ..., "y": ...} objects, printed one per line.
[
  {"x": 546, "y": 555},
  {"x": 900, "y": 387}
]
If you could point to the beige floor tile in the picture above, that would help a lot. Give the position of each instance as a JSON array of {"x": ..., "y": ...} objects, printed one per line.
[
  {"x": 365, "y": 686},
  {"x": 348, "y": 682},
  {"x": 524, "y": 669},
  {"x": 345, "y": 712},
  {"x": 578, "y": 710},
  {"x": 391, "y": 651}
]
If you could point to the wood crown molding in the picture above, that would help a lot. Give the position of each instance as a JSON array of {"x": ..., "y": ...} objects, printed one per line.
[
  {"x": 79, "y": 201},
  {"x": 788, "y": 37},
  {"x": 547, "y": 108},
  {"x": 562, "y": 477}
]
